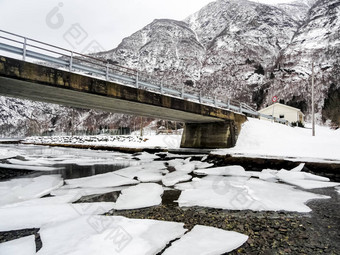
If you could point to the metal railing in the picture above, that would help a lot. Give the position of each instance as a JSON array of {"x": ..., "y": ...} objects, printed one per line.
[{"x": 57, "y": 57}]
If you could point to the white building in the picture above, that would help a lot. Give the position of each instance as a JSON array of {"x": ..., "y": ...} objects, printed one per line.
[{"x": 284, "y": 111}]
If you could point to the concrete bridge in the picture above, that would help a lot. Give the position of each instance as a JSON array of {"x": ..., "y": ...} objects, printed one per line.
[{"x": 206, "y": 126}]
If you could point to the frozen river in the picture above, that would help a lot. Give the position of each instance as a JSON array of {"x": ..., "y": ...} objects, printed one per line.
[{"x": 83, "y": 194}]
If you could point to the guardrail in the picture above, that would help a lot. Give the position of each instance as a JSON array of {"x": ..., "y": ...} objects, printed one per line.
[{"x": 58, "y": 57}]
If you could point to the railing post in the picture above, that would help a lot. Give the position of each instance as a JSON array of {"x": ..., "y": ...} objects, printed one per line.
[
  {"x": 200, "y": 97},
  {"x": 215, "y": 101},
  {"x": 182, "y": 92},
  {"x": 107, "y": 71},
  {"x": 71, "y": 61},
  {"x": 24, "y": 49},
  {"x": 228, "y": 103},
  {"x": 137, "y": 80},
  {"x": 161, "y": 88}
]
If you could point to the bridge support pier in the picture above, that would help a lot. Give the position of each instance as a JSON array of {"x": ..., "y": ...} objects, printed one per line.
[{"x": 211, "y": 135}]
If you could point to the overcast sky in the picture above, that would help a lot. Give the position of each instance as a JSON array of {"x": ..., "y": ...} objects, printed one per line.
[{"x": 90, "y": 25}]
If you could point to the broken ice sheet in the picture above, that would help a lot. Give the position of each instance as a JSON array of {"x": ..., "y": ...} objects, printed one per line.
[
  {"x": 46, "y": 201},
  {"x": 224, "y": 170},
  {"x": 252, "y": 194},
  {"x": 21, "y": 246},
  {"x": 145, "y": 156},
  {"x": 30, "y": 167},
  {"x": 201, "y": 165},
  {"x": 22, "y": 189},
  {"x": 108, "y": 235},
  {"x": 146, "y": 172},
  {"x": 206, "y": 240},
  {"x": 5, "y": 153},
  {"x": 188, "y": 167},
  {"x": 139, "y": 196},
  {"x": 171, "y": 179},
  {"x": 284, "y": 174},
  {"x": 35, "y": 216},
  {"x": 67, "y": 190},
  {"x": 101, "y": 181},
  {"x": 309, "y": 184}
]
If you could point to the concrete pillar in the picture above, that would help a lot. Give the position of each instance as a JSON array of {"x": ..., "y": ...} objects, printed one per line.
[{"x": 210, "y": 135}]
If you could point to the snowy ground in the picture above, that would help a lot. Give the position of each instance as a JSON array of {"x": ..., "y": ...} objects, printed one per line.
[
  {"x": 264, "y": 139},
  {"x": 67, "y": 227}
]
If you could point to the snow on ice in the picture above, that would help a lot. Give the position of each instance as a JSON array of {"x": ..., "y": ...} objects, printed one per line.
[
  {"x": 108, "y": 235},
  {"x": 21, "y": 189},
  {"x": 175, "y": 177},
  {"x": 21, "y": 246},
  {"x": 253, "y": 194},
  {"x": 146, "y": 172},
  {"x": 35, "y": 216},
  {"x": 224, "y": 170},
  {"x": 67, "y": 190},
  {"x": 101, "y": 181},
  {"x": 140, "y": 196},
  {"x": 206, "y": 240}
]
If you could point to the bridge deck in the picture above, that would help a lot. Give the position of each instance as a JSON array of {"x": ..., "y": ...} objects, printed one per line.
[{"x": 40, "y": 83}]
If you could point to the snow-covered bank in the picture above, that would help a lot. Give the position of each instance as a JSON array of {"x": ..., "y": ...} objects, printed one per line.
[
  {"x": 124, "y": 141},
  {"x": 258, "y": 139},
  {"x": 261, "y": 139}
]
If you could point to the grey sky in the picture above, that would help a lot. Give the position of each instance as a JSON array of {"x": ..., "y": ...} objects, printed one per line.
[{"x": 103, "y": 23}]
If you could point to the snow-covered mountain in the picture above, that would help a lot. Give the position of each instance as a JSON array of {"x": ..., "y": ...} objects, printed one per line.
[{"x": 244, "y": 50}]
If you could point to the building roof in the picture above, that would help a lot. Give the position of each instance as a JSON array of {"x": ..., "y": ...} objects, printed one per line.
[{"x": 286, "y": 106}]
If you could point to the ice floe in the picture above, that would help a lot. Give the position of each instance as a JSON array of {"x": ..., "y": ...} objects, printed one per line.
[
  {"x": 284, "y": 174},
  {"x": 206, "y": 240},
  {"x": 101, "y": 181},
  {"x": 298, "y": 168},
  {"x": 243, "y": 194},
  {"x": 46, "y": 201},
  {"x": 309, "y": 184},
  {"x": 201, "y": 165},
  {"x": 188, "y": 167},
  {"x": 338, "y": 189},
  {"x": 6, "y": 153},
  {"x": 35, "y": 216},
  {"x": 21, "y": 189},
  {"x": 171, "y": 179},
  {"x": 108, "y": 235},
  {"x": 30, "y": 168},
  {"x": 147, "y": 172},
  {"x": 75, "y": 192},
  {"x": 21, "y": 246},
  {"x": 140, "y": 196},
  {"x": 145, "y": 156},
  {"x": 224, "y": 170},
  {"x": 175, "y": 162}
]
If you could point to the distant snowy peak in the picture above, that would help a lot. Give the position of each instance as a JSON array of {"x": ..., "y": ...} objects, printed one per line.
[
  {"x": 297, "y": 10},
  {"x": 163, "y": 40},
  {"x": 244, "y": 17}
]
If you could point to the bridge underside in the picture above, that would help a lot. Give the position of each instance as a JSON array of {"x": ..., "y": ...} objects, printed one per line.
[{"x": 39, "y": 83}]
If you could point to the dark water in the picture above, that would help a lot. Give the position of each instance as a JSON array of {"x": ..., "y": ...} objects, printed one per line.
[
  {"x": 73, "y": 171},
  {"x": 115, "y": 161}
]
